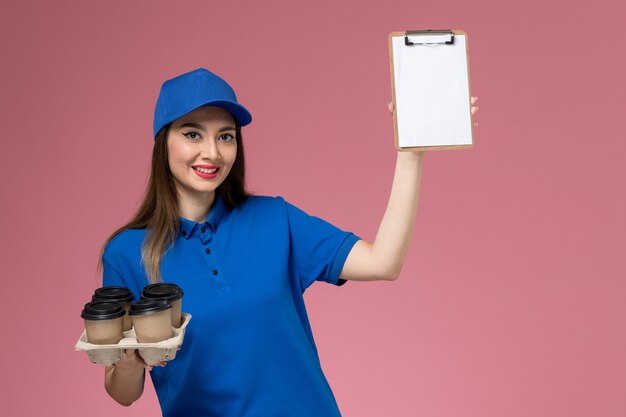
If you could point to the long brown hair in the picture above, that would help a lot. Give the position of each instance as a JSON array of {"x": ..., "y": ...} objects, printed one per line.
[{"x": 158, "y": 212}]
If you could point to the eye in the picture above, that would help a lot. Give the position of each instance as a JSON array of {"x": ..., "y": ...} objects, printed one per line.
[
  {"x": 189, "y": 135},
  {"x": 228, "y": 135}
]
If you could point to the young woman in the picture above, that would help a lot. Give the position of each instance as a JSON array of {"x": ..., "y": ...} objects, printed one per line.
[{"x": 243, "y": 262}]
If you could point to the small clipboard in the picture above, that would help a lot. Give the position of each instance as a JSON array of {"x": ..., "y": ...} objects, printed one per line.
[{"x": 430, "y": 90}]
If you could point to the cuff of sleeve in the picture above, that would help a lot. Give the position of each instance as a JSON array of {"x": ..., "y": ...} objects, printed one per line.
[{"x": 340, "y": 259}]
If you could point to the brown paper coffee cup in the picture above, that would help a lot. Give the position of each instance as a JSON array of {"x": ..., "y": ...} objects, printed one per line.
[
  {"x": 152, "y": 320},
  {"x": 118, "y": 294},
  {"x": 169, "y": 292},
  {"x": 104, "y": 322}
]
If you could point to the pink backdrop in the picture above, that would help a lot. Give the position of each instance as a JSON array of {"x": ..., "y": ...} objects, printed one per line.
[{"x": 511, "y": 300}]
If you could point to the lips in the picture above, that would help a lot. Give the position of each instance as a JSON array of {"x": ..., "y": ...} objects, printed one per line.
[
  {"x": 206, "y": 175},
  {"x": 207, "y": 169},
  {"x": 205, "y": 166}
]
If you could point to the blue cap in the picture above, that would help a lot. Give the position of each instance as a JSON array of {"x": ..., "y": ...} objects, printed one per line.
[{"x": 185, "y": 93}]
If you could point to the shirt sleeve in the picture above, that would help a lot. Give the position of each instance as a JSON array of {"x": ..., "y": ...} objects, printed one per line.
[
  {"x": 119, "y": 260},
  {"x": 110, "y": 274},
  {"x": 318, "y": 249}
]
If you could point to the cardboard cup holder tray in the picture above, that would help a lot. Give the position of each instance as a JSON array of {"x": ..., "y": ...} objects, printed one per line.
[{"x": 151, "y": 353}]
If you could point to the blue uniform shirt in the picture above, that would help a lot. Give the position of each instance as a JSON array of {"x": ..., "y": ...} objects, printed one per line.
[{"x": 248, "y": 350}]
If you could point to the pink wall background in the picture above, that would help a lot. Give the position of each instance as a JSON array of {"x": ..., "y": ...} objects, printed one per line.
[{"x": 511, "y": 300}]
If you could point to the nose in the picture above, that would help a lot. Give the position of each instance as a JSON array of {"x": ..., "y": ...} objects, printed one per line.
[{"x": 210, "y": 150}]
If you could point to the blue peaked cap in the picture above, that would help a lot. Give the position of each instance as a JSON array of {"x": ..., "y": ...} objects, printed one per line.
[{"x": 186, "y": 92}]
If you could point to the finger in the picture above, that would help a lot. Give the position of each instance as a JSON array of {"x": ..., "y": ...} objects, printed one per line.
[
  {"x": 390, "y": 107},
  {"x": 474, "y": 99},
  {"x": 126, "y": 354},
  {"x": 149, "y": 367},
  {"x": 134, "y": 353},
  {"x": 475, "y": 124}
]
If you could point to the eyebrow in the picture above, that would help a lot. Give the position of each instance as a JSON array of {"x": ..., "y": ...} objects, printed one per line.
[{"x": 199, "y": 127}]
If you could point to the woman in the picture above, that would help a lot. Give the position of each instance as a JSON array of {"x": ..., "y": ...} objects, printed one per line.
[{"x": 243, "y": 262}]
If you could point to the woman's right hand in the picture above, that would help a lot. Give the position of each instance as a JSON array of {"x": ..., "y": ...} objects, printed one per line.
[
  {"x": 131, "y": 360},
  {"x": 124, "y": 380}
]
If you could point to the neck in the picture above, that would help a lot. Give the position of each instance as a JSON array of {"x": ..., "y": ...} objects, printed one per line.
[{"x": 195, "y": 209}]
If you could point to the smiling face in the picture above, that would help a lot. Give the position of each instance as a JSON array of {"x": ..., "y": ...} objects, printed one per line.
[{"x": 202, "y": 140}]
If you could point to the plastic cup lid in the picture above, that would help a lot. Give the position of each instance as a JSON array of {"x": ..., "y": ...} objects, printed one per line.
[
  {"x": 102, "y": 310},
  {"x": 148, "y": 306},
  {"x": 162, "y": 290},
  {"x": 113, "y": 293}
]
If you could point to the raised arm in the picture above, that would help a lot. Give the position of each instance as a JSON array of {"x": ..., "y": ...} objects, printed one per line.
[{"x": 383, "y": 259}]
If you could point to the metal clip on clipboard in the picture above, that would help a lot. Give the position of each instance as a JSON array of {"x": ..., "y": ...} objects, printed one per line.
[{"x": 429, "y": 32}]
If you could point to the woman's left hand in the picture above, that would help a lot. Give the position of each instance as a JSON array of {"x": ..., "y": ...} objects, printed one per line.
[{"x": 473, "y": 109}]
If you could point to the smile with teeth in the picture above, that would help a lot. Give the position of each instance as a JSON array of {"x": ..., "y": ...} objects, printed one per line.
[{"x": 206, "y": 171}]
